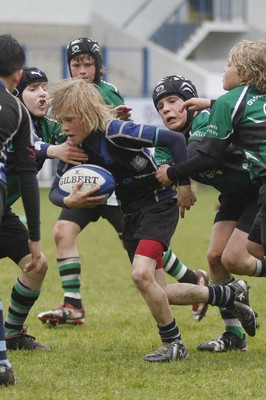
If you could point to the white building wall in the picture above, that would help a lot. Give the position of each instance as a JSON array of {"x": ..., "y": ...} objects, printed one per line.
[
  {"x": 60, "y": 12},
  {"x": 53, "y": 23},
  {"x": 117, "y": 12},
  {"x": 256, "y": 14},
  {"x": 139, "y": 24}
]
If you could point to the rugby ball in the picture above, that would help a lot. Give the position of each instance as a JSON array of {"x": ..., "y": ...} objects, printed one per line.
[{"x": 91, "y": 176}]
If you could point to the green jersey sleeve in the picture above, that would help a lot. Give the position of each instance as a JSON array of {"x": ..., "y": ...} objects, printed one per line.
[{"x": 110, "y": 94}]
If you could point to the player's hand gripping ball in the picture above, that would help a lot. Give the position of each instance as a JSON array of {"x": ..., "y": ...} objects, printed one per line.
[{"x": 91, "y": 176}]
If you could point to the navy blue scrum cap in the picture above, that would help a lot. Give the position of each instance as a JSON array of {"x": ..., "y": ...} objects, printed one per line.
[
  {"x": 86, "y": 46},
  {"x": 174, "y": 85},
  {"x": 30, "y": 75}
]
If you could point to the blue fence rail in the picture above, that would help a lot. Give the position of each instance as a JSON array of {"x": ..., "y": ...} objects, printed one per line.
[
  {"x": 190, "y": 14},
  {"x": 145, "y": 63}
]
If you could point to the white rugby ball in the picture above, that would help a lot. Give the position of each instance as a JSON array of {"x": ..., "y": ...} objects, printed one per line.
[{"x": 91, "y": 176}]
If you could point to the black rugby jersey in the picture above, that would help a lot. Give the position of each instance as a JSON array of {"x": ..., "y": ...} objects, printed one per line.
[{"x": 15, "y": 125}]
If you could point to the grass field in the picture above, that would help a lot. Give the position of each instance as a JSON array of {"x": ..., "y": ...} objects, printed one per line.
[{"x": 103, "y": 359}]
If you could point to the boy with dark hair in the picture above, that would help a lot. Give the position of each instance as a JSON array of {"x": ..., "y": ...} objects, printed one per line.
[
  {"x": 84, "y": 58},
  {"x": 15, "y": 124}
]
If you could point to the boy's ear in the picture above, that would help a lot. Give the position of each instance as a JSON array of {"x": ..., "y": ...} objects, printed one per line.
[
  {"x": 18, "y": 75},
  {"x": 245, "y": 75},
  {"x": 15, "y": 79}
]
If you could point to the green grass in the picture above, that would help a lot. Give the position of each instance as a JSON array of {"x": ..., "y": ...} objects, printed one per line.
[{"x": 103, "y": 359}]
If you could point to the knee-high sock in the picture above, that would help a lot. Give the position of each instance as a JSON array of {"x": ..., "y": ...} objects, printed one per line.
[
  {"x": 22, "y": 300},
  {"x": 3, "y": 352},
  {"x": 70, "y": 271}
]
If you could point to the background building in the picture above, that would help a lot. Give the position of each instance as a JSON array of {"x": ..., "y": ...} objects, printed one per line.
[{"x": 142, "y": 40}]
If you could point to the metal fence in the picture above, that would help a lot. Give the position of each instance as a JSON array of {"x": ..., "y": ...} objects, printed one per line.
[{"x": 190, "y": 14}]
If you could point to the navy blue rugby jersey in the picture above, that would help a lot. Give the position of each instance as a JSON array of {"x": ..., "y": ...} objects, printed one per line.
[{"x": 124, "y": 150}]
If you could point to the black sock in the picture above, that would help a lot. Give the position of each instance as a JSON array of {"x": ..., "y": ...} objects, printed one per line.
[
  {"x": 170, "y": 332},
  {"x": 221, "y": 295},
  {"x": 74, "y": 302},
  {"x": 189, "y": 277}
]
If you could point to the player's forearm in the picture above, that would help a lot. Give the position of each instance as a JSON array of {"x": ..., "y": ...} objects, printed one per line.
[
  {"x": 198, "y": 163},
  {"x": 41, "y": 149},
  {"x": 31, "y": 202},
  {"x": 176, "y": 143}
]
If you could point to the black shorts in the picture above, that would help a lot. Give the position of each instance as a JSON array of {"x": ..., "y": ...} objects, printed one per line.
[
  {"x": 255, "y": 231},
  {"x": 83, "y": 216},
  {"x": 156, "y": 222},
  {"x": 14, "y": 237},
  {"x": 241, "y": 207}
]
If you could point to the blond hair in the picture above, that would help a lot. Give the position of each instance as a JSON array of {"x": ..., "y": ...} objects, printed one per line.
[
  {"x": 76, "y": 97},
  {"x": 249, "y": 59}
]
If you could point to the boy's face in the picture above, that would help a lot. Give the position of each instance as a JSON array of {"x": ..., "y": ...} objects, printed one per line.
[
  {"x": 231, "y": 78},
  {"x": 35, "y": 98},
  {"x": 83, "y": 66},
  {"x": 73, "y": 126},
  {"x": 168, "y": 108}
]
